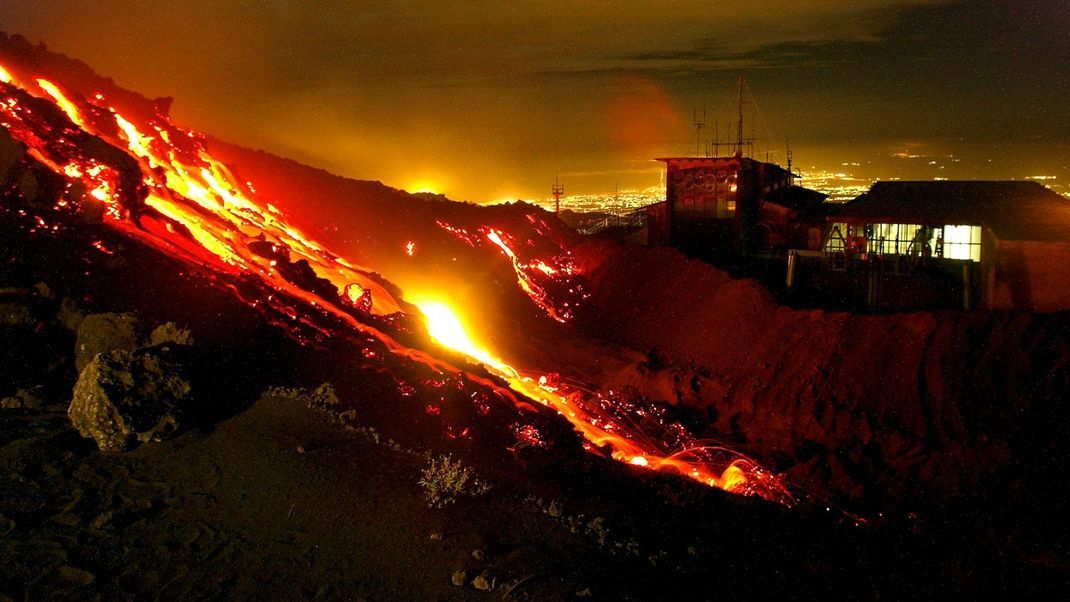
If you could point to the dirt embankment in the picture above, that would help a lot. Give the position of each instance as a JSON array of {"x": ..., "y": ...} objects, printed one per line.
[{"x": 870, "y": 405}]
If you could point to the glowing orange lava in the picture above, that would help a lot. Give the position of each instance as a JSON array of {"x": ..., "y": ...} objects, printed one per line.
[
  {"x": 199, "y": 211},
  {"x": 742, "y": 475}
]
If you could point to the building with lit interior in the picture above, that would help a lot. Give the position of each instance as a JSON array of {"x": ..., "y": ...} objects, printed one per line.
[
  {"x": 1009, "y": 240},
  {"x": 734, "y": 205}
]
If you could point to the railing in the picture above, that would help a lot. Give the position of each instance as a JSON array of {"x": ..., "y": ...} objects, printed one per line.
[{"x": 634, "y": 219}]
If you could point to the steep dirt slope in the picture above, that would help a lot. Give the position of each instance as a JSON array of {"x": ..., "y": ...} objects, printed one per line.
[{"x": 874, "y": 406}]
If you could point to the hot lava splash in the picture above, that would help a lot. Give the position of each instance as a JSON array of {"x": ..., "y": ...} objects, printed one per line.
[{"x": 179, "y": 199}]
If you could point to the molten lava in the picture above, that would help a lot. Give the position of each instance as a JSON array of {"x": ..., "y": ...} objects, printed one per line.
[
  {"x": 188, "y": 204},
  {"x": 597, "y": 426}
]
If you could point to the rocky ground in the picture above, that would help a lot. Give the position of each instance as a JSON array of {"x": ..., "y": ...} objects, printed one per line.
[
  {"x": 164, "y": 435},
  {"x": 267, "y": 487}
]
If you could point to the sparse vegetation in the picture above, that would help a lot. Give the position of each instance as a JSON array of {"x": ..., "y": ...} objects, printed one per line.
[{"x": 446, "y": 479}]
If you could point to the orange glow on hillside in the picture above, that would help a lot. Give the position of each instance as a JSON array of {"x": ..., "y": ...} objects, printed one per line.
[
  {"x": 189, "y": 205},
  {"x": 742, "y": 475}
]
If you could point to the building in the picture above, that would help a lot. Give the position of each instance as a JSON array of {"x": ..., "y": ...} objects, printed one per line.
[
  {"x": 735, "y": 205},
  {"x": 1009, "y": 241}
]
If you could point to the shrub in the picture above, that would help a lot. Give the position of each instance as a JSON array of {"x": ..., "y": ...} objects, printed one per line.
[{"x": 444, "y": 480}]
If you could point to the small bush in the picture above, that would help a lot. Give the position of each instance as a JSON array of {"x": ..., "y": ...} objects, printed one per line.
[{"x": 444, "y": 480}]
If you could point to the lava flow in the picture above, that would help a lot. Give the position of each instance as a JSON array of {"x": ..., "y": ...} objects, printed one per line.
[{"x": 185, "y": 202}]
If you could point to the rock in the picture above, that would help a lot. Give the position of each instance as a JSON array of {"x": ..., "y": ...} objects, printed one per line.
[
  {"x": 67, "y": 519},
  {"x": 70, "y": 315},
  {"x": 483, "y": 584},
  {"x": 323, "y": 396},
  {"x": 98, "y": 333},
  {"x": 15, "y": 314},
  {"x": 124, "y": 397},
  {"x": 24, "y": 399},
  {"x": 44, "y": 290},
  {"x": 170, "y": 333},
  {"x": 459, "y": 578},
  {"x": 479, "y": 555},
  {"x": 75, "y": 575}
]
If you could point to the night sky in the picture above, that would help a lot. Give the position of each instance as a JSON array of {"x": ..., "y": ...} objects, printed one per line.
[{"x": 487, "y": 100}]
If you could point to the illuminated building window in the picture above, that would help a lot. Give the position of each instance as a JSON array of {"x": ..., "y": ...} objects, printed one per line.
[
  {"x": 948, "y": 242},
  {"x": 962, "y": 242}
]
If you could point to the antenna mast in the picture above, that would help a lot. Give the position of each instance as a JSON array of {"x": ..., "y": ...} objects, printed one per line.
[
  {"x": 739, "y": 130},
  {"x": 558, "y": 190},
  {"x": 791, "y": 174},
  {"x": 699, "y": 124}
]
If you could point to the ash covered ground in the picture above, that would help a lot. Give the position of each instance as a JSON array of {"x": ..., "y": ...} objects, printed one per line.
[{"x": 926, "y": 450}]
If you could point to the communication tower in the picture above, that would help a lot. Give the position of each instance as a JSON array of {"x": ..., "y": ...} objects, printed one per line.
[{"x": 558, "y": 190}]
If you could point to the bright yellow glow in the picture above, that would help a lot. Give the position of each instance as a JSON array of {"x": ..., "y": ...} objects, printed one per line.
[
  {"x": 962, "y": 242},
  {"x": 5, "y": 76},
  {"x": 445, "y": 327},
  {"x": 425, "y": 186},
  {"x": 62, "y": 101}
]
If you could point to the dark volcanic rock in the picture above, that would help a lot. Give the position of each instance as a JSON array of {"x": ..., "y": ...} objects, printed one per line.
[
  {"x": 124, "y": 397},
  {"x": 24, "y": 399},
  {"x": 15, "y": 314},
  {"x": 70, "y": 315},
  {"x": 99, "y": 333},
  {"x": 169, "y": 333}
]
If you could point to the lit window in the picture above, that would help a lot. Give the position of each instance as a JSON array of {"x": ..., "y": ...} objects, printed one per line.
[{"x": 962, "y": 242}]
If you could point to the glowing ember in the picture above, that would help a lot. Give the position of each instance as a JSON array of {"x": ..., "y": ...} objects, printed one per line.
[
  {"x": 600, "y": 427},
  {"x": 535, "y": 277},
  {"x": 186, "y": 203}
]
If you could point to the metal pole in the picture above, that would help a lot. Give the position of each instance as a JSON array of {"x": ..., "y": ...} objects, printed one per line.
[
  {"x": 792, "y": 259},
  {"x": 871, "y": 288}
]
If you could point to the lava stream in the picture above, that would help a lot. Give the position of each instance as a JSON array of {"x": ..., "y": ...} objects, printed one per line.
[{"x": 190, "y": 205}]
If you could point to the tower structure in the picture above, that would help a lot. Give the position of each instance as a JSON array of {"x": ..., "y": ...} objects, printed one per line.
[
  {"x": 739, "y": 123},
  {"x": 558, "y": 190},
  {"x": 699, "y": 123}
]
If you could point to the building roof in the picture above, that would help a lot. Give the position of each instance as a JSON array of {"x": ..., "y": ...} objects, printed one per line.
[
  {"x": 1013, "y": 210},
  {"x": 798, "y": 198},
  {"x": 688, "y": 162}
]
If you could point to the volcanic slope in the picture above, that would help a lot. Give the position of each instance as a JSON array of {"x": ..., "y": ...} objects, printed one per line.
[
  {"x": 964, "y": 411},
  {"x": 889, "y": 415}
]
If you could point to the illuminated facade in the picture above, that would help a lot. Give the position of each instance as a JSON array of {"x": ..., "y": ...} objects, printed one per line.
[
  {"x": 730, "y": 206},
  {"x": 1010, "y": 240}
]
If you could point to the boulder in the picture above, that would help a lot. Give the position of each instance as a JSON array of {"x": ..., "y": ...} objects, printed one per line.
[
  {"x": 69, "y": 314},
  {"x": 98, "y": 333},
  {"x": 27, "y": 399},
  {"x": 169, "y": 333},
  {"x": 16, "y": 314},
  {"x": 123, "y": 398}
]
